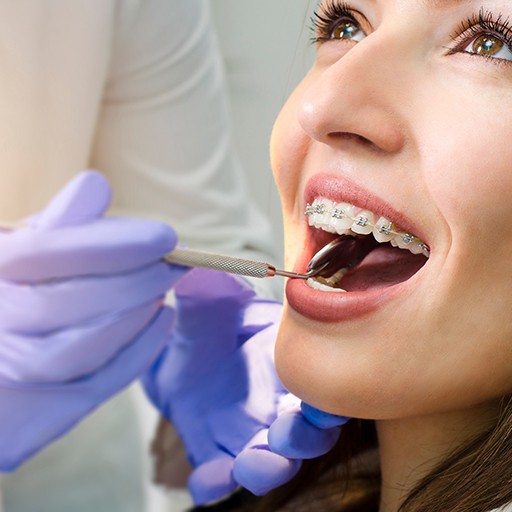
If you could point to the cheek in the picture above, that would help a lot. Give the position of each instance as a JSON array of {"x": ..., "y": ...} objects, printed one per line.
[
  {"x": 288, "y": 150},
  {"x": 347, "y": 373},
  {"x": 359, "y": 373},
  {"x": 467, "y": 152},
  {"x": 469, "y": 176}
]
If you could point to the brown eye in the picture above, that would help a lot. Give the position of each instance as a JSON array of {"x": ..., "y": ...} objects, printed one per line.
[
  {"x": 487, "y": 45},
  {"x": 348, "y": 30}
]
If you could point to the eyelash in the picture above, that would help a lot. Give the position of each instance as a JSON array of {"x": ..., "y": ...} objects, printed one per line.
[
  {"x": 325, "y": 20},
  {"x": 479, "y": 24}
]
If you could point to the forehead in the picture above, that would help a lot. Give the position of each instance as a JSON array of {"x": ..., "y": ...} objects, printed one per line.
[
  {"x": 429, "y": 4},
  {"x": 437, "y": 4},
  {"x": 444, "y": 3},
  {"x": 426, "y": 3}
]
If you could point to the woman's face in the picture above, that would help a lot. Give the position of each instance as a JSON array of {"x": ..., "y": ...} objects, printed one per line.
[{"x": 405, "y": 118}]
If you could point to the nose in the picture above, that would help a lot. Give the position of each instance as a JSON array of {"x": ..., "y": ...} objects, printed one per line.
[{"x": 356, "y": 98}]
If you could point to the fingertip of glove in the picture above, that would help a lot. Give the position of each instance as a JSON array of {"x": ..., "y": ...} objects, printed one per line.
[
  {"x": 291, "y": 435},
  {"x": 161, "y": 236},
  {"x": 259, "y": 470},
  {"x": 86, "y": 197},
  {"x": 320, "y": 418},
  {"x": 212, "y": 480}
]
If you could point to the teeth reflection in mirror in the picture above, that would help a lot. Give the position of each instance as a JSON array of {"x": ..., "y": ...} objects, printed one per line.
[{"x": 313, "y": 283}]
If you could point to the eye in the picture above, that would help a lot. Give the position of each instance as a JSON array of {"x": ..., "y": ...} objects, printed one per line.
[
  {"x": 489, "y": 45},
  {"x": 337, "y": 21},
  {"x": 485, "y": 35},
  {"x": 347, "y": 29}
]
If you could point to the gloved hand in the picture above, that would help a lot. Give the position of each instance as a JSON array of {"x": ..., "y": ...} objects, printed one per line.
[
  {"x": 217, "y": 383},
  {"x": 81, "y": 313},
  {"x": 273, "y": 457}
]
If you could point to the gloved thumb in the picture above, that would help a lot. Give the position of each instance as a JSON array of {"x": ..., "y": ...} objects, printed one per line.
[{"x": 86, "y": 197}]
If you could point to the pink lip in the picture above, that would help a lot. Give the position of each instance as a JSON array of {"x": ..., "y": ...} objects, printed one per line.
[{"x": 336, "y": 307}]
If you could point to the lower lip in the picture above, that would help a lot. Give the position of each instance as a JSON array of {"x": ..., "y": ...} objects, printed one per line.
[{"x": 338, "y": 307}]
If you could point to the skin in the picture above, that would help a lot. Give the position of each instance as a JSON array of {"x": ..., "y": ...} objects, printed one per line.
[{"x": 430, "y": 134}]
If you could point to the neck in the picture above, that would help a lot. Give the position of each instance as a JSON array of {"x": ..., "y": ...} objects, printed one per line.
[{"x": 410, "y": 448}]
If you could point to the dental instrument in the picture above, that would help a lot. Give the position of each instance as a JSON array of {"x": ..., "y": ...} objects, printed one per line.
[{"x": 322, "y": 262}]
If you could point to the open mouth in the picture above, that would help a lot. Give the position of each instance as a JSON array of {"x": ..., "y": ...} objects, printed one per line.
[{"x": 380, "y": 254}]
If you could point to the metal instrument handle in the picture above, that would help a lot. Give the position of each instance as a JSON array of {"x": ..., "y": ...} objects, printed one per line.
[{"x": 229, "y": 264}]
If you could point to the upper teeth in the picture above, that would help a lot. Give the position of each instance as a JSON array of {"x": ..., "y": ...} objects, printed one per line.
[{"x": 342, "y": 218}]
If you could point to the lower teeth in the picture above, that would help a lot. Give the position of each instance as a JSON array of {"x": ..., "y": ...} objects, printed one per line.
[{"x": 317, "y": 285}]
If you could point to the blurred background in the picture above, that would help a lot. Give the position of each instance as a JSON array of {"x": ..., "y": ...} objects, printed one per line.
[{"x": 266, "y": 51}]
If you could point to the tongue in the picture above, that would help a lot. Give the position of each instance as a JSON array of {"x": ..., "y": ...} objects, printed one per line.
[{"x": 383, "y": 267}]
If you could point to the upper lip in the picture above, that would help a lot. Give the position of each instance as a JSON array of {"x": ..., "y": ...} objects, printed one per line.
[{"x": 342, "y": 189}]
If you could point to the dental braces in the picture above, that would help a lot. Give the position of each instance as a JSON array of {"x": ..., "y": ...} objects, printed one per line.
[{"x": 363, "y": 221}]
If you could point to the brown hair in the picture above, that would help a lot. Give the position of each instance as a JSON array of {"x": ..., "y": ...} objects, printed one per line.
[{"x": 475, "y": 478}]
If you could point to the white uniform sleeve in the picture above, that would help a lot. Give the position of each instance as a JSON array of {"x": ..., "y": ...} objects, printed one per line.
[{"x": 164, "y": 139}]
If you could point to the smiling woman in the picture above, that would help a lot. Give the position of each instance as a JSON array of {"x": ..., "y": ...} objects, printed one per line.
[{"x": 399, "y": 136}]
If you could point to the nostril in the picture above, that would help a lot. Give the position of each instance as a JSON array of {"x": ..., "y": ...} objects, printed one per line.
[
  {"x": 389, "y": 142},
  {"x": 350, "y": 137}
]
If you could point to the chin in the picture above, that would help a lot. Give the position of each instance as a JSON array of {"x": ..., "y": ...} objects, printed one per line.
[{"x": 352, "y": 371}]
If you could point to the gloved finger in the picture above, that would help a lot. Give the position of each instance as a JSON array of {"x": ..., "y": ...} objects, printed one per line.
[
  {"x": 37, "y": 406},
  {"x": 212, "y": 480},
  {"x": 260, "y": 314},
  {"x": 243, "y": 426},
  {"x": 292, "y": 436},
  {"x": 251, "y": 405},
  {"x": 210, "y": 372},
  {"x": 105, "y": 246},
  {"x": 259, "y": 470},
  {"x": 86, "y": 197},
  {"x": 210, "y": 307},
  {"x": 134, "y": 359},
  {"x": 60, "y": 304},
  {"x": 320, "y": 418},
  {"x": 71, "y": 353}
]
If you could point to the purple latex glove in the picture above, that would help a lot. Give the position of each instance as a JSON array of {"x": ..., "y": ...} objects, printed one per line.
[
  {"x": 81, "y": 313},
  {"x": 299, "y": 432},
  {"x": 217, "y": 383}
]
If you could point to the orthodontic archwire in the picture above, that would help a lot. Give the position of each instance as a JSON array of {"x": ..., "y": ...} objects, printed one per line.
[{"x": 361, "y": 220}]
